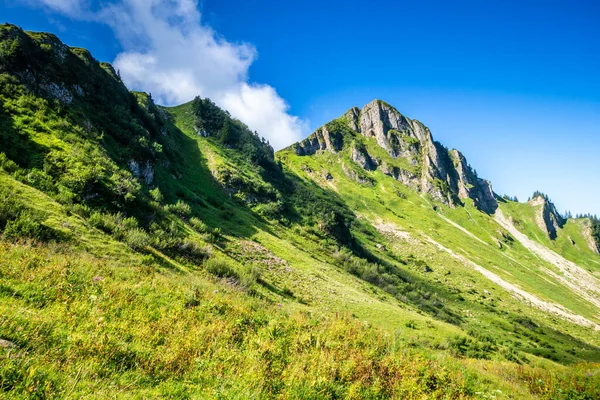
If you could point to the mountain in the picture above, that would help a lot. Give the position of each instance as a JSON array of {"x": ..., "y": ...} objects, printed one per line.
[
  {"x": 411, "y": 155},
  {"x": 153, "y": 251}
]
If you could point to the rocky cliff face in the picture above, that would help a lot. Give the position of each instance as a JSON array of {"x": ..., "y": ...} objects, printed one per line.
[
  {"x": 591, "y": 241},
  {"x": 547, "y": 217},
  {"x": 427, "y": 166}
]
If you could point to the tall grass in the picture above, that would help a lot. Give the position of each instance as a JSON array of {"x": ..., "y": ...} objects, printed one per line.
[{"x": 98, "y": 328}]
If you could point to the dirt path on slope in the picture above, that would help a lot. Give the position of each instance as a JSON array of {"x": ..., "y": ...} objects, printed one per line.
[
  {"x": 519, "y": 293},
  {"x": 576, "y": 278}
]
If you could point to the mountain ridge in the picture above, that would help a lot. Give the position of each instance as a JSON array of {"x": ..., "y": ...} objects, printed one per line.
[{"x": 442, "y": 173}]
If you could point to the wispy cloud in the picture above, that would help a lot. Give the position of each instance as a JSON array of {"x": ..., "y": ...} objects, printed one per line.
[
  {"x": 70, "y": 8},
  {"x": 171, "y": 53}
]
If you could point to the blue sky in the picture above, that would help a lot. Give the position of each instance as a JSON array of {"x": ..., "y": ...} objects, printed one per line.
[{"x": 512, "y": 84}]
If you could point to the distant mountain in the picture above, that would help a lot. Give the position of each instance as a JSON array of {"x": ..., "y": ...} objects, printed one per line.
[{"x": 151, "y": 251}]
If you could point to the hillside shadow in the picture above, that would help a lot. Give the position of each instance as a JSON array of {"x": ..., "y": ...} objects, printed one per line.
[
  {"x": 548, "y": 339},
  {"x": 18, "y": 146}
]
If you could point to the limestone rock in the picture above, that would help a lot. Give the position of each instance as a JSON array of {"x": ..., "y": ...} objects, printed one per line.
[
  {"x": 429, "y": 167},
  {"x": 587, "y": 234},
  {"x": 547, "y": 217},
  {"x": 321, "y": 140}
]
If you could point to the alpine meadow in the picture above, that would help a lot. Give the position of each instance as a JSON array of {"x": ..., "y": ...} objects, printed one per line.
[{"x": 168, "y": 252}]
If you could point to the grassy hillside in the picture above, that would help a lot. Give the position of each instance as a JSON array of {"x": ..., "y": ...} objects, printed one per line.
[{"x": 168, "y": 252}]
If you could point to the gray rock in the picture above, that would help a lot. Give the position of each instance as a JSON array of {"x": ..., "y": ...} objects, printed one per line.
[
  {"x": 443, "y": 174},
  {"x": 6, "y": 344},
  {"x": 547, "y": 217}
]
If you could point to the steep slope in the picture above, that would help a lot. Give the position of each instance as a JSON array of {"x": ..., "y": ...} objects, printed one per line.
[{"x": 155, "y": 252}]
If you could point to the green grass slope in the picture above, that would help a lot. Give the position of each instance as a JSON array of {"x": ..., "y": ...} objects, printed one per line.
[{"x": 168, "y": 252}]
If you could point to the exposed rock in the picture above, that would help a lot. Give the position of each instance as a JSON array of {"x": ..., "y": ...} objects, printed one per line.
[
  {"x": 59, "y": 92},
  {"x": 589, "y": 238},
  {"x": 362, "y": 158},
  {"x": 78, "y": 90},
  {"x": 6, "y": 344},
  {"x": 355, "y": 176},
  {"x": 406, "y": 177},
  {"x": 134, "y": 167},
  {"x": 352, "y": 116},
  {"x": 547, "y": 217},
  {"x": 321, "y": 140},
  {"x": 146, "y": 172},
  {"x": 430, "y": 167}
]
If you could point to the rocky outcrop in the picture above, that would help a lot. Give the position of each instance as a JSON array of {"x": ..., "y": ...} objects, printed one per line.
[
  {"x": 589, "y": 237},
  {"x": 360, "y": 156},
  {"x": 547, "y": 217},
  {"x": 406, "y": 177},
  {"x": 429, "y": 167},
  {"x": 321, "y": 140}
]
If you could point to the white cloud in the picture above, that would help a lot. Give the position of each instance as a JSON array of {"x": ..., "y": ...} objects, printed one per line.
[
  {"x": 170, "y": 53},
  {"x": 71, "y": 8}
]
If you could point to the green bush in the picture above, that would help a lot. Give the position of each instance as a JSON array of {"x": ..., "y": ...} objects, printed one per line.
[
  {"x": 156, "y": 195},
  {"x": 220, "y": 268},
  {"x": 81, "y": 209},
  {"x": 193, "y": 251},
  {"x": 180, "y": 208},
  {"x": 7, "y": 164},
  {"x": 108, "y": 223},
  {"x": 137, "y": 239},
  {"x": 10, "y": 206},
  {"x": 249, "y": 278},
  {"x": 29, "y": 225},
  {"x": 129, "y": 223},
  {"x": 198, "y": 225}
]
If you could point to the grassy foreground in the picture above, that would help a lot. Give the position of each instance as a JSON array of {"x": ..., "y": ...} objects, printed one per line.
[{"x": 85, "y": 327}]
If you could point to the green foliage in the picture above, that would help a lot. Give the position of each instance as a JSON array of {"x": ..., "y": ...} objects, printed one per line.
[
  {"x": 397, "y": 283},
  {"x": 137, "y": 239},
  {"x": 198, "y": 225},
  {"x": 17, "y": 221},
  {"x": 181, "y": 208},
  {"x": 29, "y": 224},
  {"x": 221, "y": 268},
  {"x": 234, "y": 134},
  {"x": 156, "y": 195},
  {"x": 596, "y": 230},
  {"x": 26, "y": 377},
  {"x": 467, "y": 347}
]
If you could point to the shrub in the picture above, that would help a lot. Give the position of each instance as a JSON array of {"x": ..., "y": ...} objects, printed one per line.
[
  {"x": 214, "y": 235},
  {"x": 249, "y": 278},
  {"x": 29, "y": 225},
  {"x": 466, "y": 347},
  {"x": 81, "y": 209},
  {"x": 7, "y": 164},
  {"x": 10, "y": 206},
  {"x": 40, "y": 180},
  {"x": 180, "y": 208},
  {"x": 194, "y": 251},
  {"x": 106, "y": 222},
  {"x": 198, "y": 225},
  {"x": 156, "y": 195},
  {"x": 129, "y": 223},
  {"x": 137, "y": 239},
  {"x": 220, "y": 268}
]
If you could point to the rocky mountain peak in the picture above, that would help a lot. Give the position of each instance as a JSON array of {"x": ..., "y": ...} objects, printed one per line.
[{"x": 415, "y": 158}]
